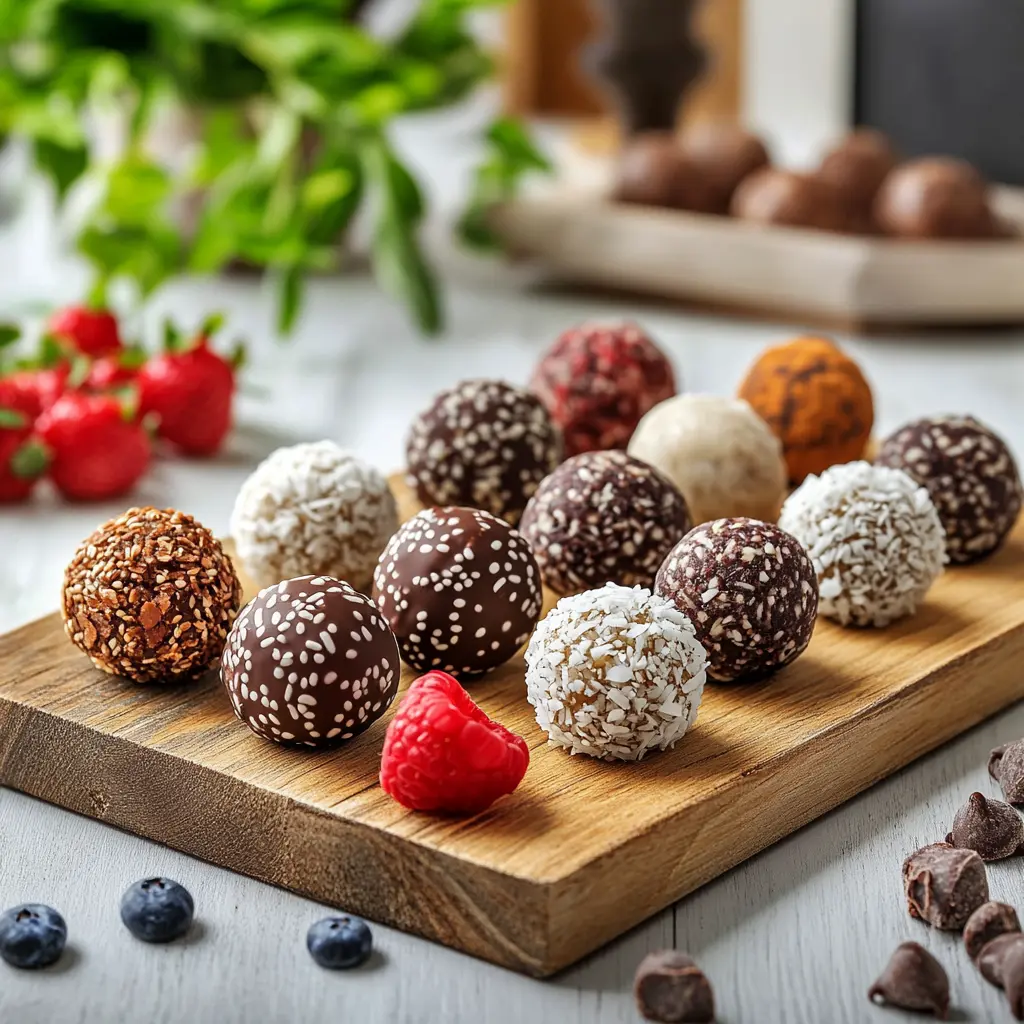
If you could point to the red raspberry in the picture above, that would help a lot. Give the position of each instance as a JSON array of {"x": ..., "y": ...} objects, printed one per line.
[
  {"x": 442, "y": 753},
  {"x": 597, "y": 382}
]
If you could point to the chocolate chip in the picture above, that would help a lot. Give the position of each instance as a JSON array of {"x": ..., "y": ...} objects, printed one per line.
[
  {"x": 669, "y": 987},
  {"x": 990, "y": 827},
  {"x": 944, "y": 885},
  {"x": 990, "y": 959},
  {"x": 988, "y": 922},
  {"x": 1013, "y": 978},
  {"x": 913, "y": 980},
  {"x": 1006, "y": 766}
]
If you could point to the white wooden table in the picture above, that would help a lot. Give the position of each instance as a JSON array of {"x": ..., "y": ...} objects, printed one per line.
[{"x": 795, "y": 935}]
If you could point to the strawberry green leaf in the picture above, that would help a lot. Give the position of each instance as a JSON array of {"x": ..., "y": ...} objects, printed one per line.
[
  {"x": 9, "y": 334},
  {"x": 30, "y": 461},
  {"x": 212, "y": 325},
  {"x": 50, "y": 352},
  {"x": 172, "y": 337},
  {"x": 133, "y": 357},
  {"x": 79, "y": 373},
  {"x": 11, "y": 419},
  {"x": 127, "y": 397},
  {"x": 239, "y": 356}
]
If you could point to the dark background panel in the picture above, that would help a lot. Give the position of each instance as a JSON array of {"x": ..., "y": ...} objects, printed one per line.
[{"x": 945, "y": 76}]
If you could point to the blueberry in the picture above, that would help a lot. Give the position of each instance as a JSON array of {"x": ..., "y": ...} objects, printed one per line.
[
  {"x": 339, "y": 942},
  {"x": 32, "y": 935},
  {"x": 157, "y": 910}
]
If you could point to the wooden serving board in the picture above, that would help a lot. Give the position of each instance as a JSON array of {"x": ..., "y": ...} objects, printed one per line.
[{"x": 584, "y": 850}]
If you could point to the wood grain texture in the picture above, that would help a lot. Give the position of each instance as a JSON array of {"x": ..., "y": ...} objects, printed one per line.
[{"x": 583, "y": 850}]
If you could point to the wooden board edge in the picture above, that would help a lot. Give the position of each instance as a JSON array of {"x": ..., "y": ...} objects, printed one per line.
[{"x": 276, "y": 839}]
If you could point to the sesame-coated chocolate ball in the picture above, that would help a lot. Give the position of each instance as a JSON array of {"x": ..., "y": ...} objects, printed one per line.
[
  {"x": 597, "y": 381},
  {"x": 310, "y": 662},
  {"x": 603, "y": 517},
  {"x": 150, "y": 596},
  {"x": 461, "y": 590},
  {"x": 969, "y": 473},
  {"x": 750, "y": 591},
  {"x": 483, "y": 444}
]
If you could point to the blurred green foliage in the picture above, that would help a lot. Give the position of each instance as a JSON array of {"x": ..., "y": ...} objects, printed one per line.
[{"x": 292, "y": 99}]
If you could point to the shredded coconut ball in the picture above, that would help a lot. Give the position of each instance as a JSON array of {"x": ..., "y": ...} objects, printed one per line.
[
  {"x": 874, "y": 537},
  {"x": 313, "y": 510},
  {"x": 615, "y": 672}
]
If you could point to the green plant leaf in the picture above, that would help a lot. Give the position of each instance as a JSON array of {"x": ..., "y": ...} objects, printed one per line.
[
  {"x": 64, "y": 165},
  {"x": 289, "y": 288},
  {"x": 9, "y": 334}
]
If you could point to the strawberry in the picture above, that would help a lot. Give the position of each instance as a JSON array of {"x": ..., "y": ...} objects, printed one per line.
[
  {"x": 96, "y": 450},
  {"x": 22, "y": 457},
  {"x": 442, "y": 753},
  {"x": 90, "y": 332},
  {"x": 111, "y": 372},
  {"x": 190, "y": 389},
  {"x": 45, "y": 385}
]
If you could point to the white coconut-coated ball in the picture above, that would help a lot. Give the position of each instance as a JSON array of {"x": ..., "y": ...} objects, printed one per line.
[
  {"x": 718, "y": 452},
  {"x": 313, "y": 510},
  {"x": 875, "y": 539},
  {"x": 615, "y": 672}
]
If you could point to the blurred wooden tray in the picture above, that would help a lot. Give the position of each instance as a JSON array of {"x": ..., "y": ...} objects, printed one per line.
[{"x": 580, "y": 236}]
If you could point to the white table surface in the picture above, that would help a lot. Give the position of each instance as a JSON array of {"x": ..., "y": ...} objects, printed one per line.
[{"x": 795, "y": 935}]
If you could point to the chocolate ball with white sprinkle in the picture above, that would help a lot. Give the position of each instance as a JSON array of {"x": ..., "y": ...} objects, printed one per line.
[
  {"x": 614, "y": 673},
  {"x": 750, "y": 591},
  {"x": 461, "y": 590},
  {"x": 483, "y": 444},
  {"x": 875, "y": 540},
  {"x": 310, "y": 662},
  {"x": 970, "y": 475},
  {"x": 603, "y": 517}
]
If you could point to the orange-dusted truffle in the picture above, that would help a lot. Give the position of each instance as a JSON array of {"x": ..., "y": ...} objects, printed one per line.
[{"x": 816, "y": 401}]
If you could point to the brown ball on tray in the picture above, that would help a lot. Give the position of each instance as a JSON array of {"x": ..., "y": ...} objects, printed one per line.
[
  {"x": 150, "y": 596},
  {"x": 774, "y": 196},
  {"x": 856, "y": 168},
  {"x": 935, "y": 197},
  {"x": 654, "y": 171},
  {"x": 724, "y": 154}
]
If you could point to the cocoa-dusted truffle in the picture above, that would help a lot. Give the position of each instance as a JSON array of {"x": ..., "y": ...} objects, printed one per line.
[
  {"x": 970, "y": 474},
  {"x": 944, "y": 885},
  {"x": 935, "y": 197},
  {"x": 855, "y": 168},
  {"x": 1006, "y": 766},
  {"x": 310, "y": 662},
  {"x": 987, "y": 923},
  {"x": 913, "y": 980},
  {"x": 603, "y": 517},
  {"x": 774, "y": 196},
  {"x": 150, "y": 596},
  {"x": 723, "y": 154},
  {"x": 654, "y": 171},
  {"x": 484, "y": 444},
  {"x": 750, "y": 591},
  {"x": 461, "y": 590},
  {"x": 598, "y": 380},
  {"x": 992, "y": 829}
]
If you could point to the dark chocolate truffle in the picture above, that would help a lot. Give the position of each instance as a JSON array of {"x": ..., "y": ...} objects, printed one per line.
[
  {"x": 987, "y": 923},
  {"x": 723, "y": 154},
  {"x": 970, "y": 474},
  {"x": 774, "y": 196},
  {"x": 603, "y": 517},
  {"x": 944, "y": 885},
  {"x": 856, "y": 168},
  {"x": 935, "y": 197},
  {"x": 310, "y": 662},
  {"x": 669, "y": 986},
  {"x": 992, "y": 829},
  {"x": 994, "y": 953},
  {"x": 598, "y": 381},
  {"x": 654, "y": 171},
  {"x": 751, "y": 592},
  {"x": 461, "y": 590},
  {"x": 913, "y": 980},
  {"x": 1006, "y": 766},
  {"x": 483, "y": 444},
  {"x": 150, "y": 596}
]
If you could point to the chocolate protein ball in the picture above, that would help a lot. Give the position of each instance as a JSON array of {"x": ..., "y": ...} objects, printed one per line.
[
  {"x": 723, "y": 154},
  {"x": 970, "y": 474},
  {"x": 913, "y": 980},
  {"x": 750, "y": 591},
  {"x": 992, "y": 829},
  {"x": 597, "y": 381},
  {"x": 944, "y": 885},
  {"x": 483, "y": 444},
  {"x": 935, "y": 197},
  {"x": 855, "y": 168},
  {"x": 310, "y": 662},
  {"x": 988, "y": 922},
  {"x": 461, "y": 590},
  {"x": 603, "y": 517},
  {"x": 1006, "y": 766},
  {"x": 150, "y": 596},
  {"x": 670, "y": 988},
  {"x": 654, "y": 171},
  {"x": 774, "y": 196}
]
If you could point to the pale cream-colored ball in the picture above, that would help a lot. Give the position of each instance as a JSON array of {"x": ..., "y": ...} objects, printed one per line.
[{"x": 718, "y": 452}]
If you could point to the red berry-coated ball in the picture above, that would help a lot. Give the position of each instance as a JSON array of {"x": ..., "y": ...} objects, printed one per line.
[
  {"x": 597, "y": 382},
  {"x": 442, "y": 753}
]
